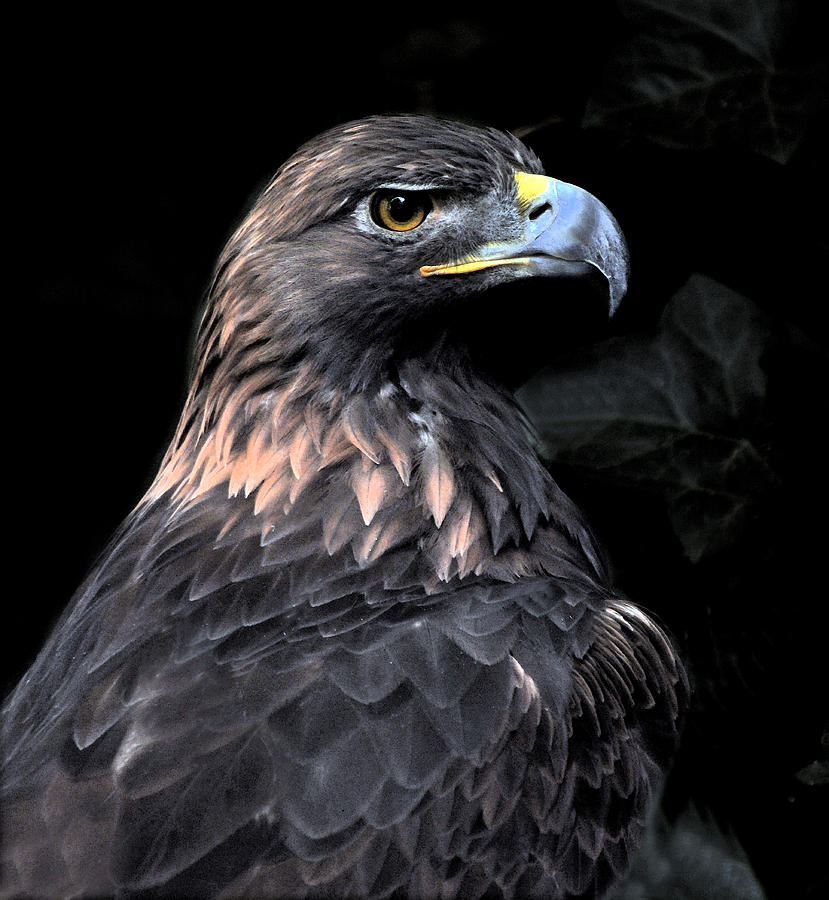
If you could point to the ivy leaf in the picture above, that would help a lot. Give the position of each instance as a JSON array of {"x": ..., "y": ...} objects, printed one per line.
[
  {"x": 675, "y": 858},
  {"x": 671, "y": 413},
  {"x": 696, "y": 74},
  {"x": 817, "y": 772}
]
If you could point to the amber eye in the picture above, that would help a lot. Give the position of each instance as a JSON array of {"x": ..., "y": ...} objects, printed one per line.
[{"x": 400, "y": 210}]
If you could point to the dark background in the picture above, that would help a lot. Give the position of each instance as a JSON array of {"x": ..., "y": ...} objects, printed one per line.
[{"x": 698, "y": 451}]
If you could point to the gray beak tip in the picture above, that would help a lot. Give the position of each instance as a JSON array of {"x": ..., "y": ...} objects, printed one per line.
[
  {"x": 618, "y": 276},
  {"x": 584, "y": 229}
]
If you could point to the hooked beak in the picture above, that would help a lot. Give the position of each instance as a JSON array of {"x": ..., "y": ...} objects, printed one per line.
[{"x": 567, "y": 232}]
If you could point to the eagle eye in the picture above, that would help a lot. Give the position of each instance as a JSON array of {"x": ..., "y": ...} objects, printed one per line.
[{"x": 400, "y": 210}]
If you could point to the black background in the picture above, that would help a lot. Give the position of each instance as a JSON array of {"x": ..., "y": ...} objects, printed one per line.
[{"x": 138, "y": 144}]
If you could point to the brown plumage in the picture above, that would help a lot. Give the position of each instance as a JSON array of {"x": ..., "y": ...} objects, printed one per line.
[{"x": 354, "y": 641}]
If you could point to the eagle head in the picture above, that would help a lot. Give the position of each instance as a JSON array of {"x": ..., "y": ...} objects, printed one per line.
[{"x": 377, "y": 223}]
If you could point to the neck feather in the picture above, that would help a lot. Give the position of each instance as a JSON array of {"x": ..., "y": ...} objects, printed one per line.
[{"x": 433, "y": 456}]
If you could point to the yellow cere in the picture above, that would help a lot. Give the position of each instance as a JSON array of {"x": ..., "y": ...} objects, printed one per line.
[{"x": 530, "y": 186}]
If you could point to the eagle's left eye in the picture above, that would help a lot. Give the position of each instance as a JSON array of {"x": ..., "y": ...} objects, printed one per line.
[{"x": 400, "y": 210}]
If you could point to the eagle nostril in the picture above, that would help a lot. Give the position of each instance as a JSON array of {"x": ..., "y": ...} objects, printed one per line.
[{"x": 539, "y": 210}]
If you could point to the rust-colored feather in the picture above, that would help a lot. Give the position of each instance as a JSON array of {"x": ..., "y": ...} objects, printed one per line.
[
  {"x": 315, "y": 423},
  {"x": 372, "y": 486},
  {"x": 212, "y": 477},
  {"x": 238, "y": 474},
  {"x": 357, "y": 428},
  {"x": 438, "y": 481},
  {"x": 301, "y": 451},
  {"x": 335, "y": 447},
  {"x": 272, "y": 490},
  {"x": 228, "y": 329},
  {"x": 262, "y": 460},
  {"x": 398, "y": 457},
  {"x": 459, "y": 537}
]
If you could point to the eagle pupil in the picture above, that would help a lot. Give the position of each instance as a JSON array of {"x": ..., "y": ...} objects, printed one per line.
[{"x": 401, "y": 208}]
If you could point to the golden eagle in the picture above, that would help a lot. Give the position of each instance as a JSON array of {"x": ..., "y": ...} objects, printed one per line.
[{"x": 354, "y": 640}]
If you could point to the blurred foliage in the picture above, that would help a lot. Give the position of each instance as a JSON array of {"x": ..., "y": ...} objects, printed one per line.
[
  {"x": 669, "y": 413},
  {"x": 689, "y": 859},
  {"x": 817, "y": 772},
  {"x": 705, "y": 73}
]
